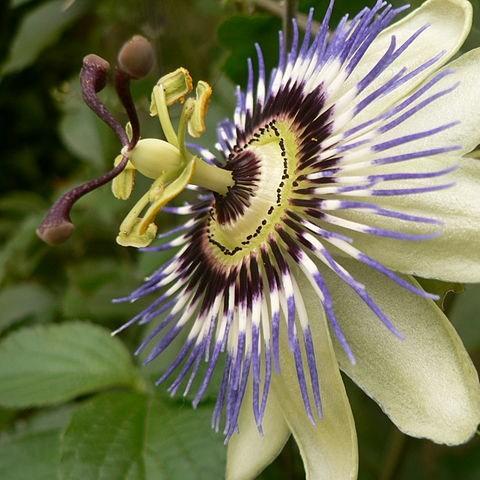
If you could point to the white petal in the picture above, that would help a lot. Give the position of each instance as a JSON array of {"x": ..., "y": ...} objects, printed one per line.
[
  {"x": 455, "y": 255},
  {"x": 329, "y": 449},
  {"x": 450, "y": 22},
  {"x": 425, "y": 383},
  {"x": 249, "y": 452},
  {"x": 462, "y": 105}
]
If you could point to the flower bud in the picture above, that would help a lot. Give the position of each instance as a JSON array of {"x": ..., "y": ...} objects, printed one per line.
[
  {"x": 136, "y": 57},
  {"x": 135, "y": 238}
]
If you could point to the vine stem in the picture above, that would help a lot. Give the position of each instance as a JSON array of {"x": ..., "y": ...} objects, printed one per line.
[
  {"x": 279, "y": 10},
  {"x": 290, "y": 9},
  {"x": 395, "y": 455}
]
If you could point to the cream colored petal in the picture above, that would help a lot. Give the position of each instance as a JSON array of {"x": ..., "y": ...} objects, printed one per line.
[
  {"x": 249, "y": 452},
  {"x": 449, "y": 23},
  {"x": 329, "y": 449},
  {"x": 425, "y": 383},
  {"x": 462, "y": 105},
  {"x": 453, "y": 256}
]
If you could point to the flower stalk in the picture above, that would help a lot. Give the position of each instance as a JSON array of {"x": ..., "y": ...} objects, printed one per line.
[
  {"x": 277, "y": 9},
  {"x": 290, "y": 13}
]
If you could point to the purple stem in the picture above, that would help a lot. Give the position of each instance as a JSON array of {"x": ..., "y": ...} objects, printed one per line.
[
  {"x": 56, "y": 227},
  {"x": 93, "y": 79},
  {"x": 122, "y": 86}
]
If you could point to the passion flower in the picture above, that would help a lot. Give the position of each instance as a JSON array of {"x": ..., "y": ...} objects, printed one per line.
[{"x": 343, "y": 171}]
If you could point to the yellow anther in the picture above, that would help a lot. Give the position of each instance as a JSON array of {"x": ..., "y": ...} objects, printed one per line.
[
  {"x": 196, "y": 125},
  {"x": 136, "y": 239},
  {"x": 137, "y": 231},
  {"x": 122, "y": 185},
  {"x": 176, "y": 85},
  {"x": 130, "y": 234}
]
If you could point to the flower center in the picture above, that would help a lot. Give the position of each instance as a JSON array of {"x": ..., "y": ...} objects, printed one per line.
[{"x": 263, "y": 169}]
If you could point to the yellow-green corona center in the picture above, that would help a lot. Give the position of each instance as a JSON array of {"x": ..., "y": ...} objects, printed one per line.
[{"x": 272, "y": 150}]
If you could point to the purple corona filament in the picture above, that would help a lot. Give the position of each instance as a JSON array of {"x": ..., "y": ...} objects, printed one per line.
[{"x": 235, "y": 296}]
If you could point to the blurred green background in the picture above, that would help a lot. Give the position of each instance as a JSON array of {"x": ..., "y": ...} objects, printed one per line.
[{"x": 55, "y": 303}]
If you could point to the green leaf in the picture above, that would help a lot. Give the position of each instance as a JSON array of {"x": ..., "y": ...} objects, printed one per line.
[
  {"x": 92, "y": 286},
  {"x": 105, "y": 439},
  {"x": 100, "y": 213},
  {"x": 80, "y": 129},
  {"x": 136, "y": 437},
  {"x": 473, "y": 39},
  {"x": 30, "y": 456},
  {"x": 21, "y": 203},
  {"x": 341, "y": 8},
  {"x": 464, "y": 316},
  {"x": 442, "y": 289},
  {"x": 32, "y": 449},
  {"x": 6, "y": 417},
  {"x": 237, "y": 35},
  {"x": 22, "y": 251},
  {"x": 18, "y": 3},
  {"x": 40, "y": 28},
  {"x": 50, "y": 364},
  {"x": 25, "y": 300},
  {"x": 15, "y": 206}
]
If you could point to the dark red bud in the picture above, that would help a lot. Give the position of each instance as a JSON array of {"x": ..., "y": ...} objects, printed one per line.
[{"x": 136, "y": 57}]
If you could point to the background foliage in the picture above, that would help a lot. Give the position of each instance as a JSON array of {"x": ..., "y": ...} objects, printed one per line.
[{"x": 74, "y": 404}]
